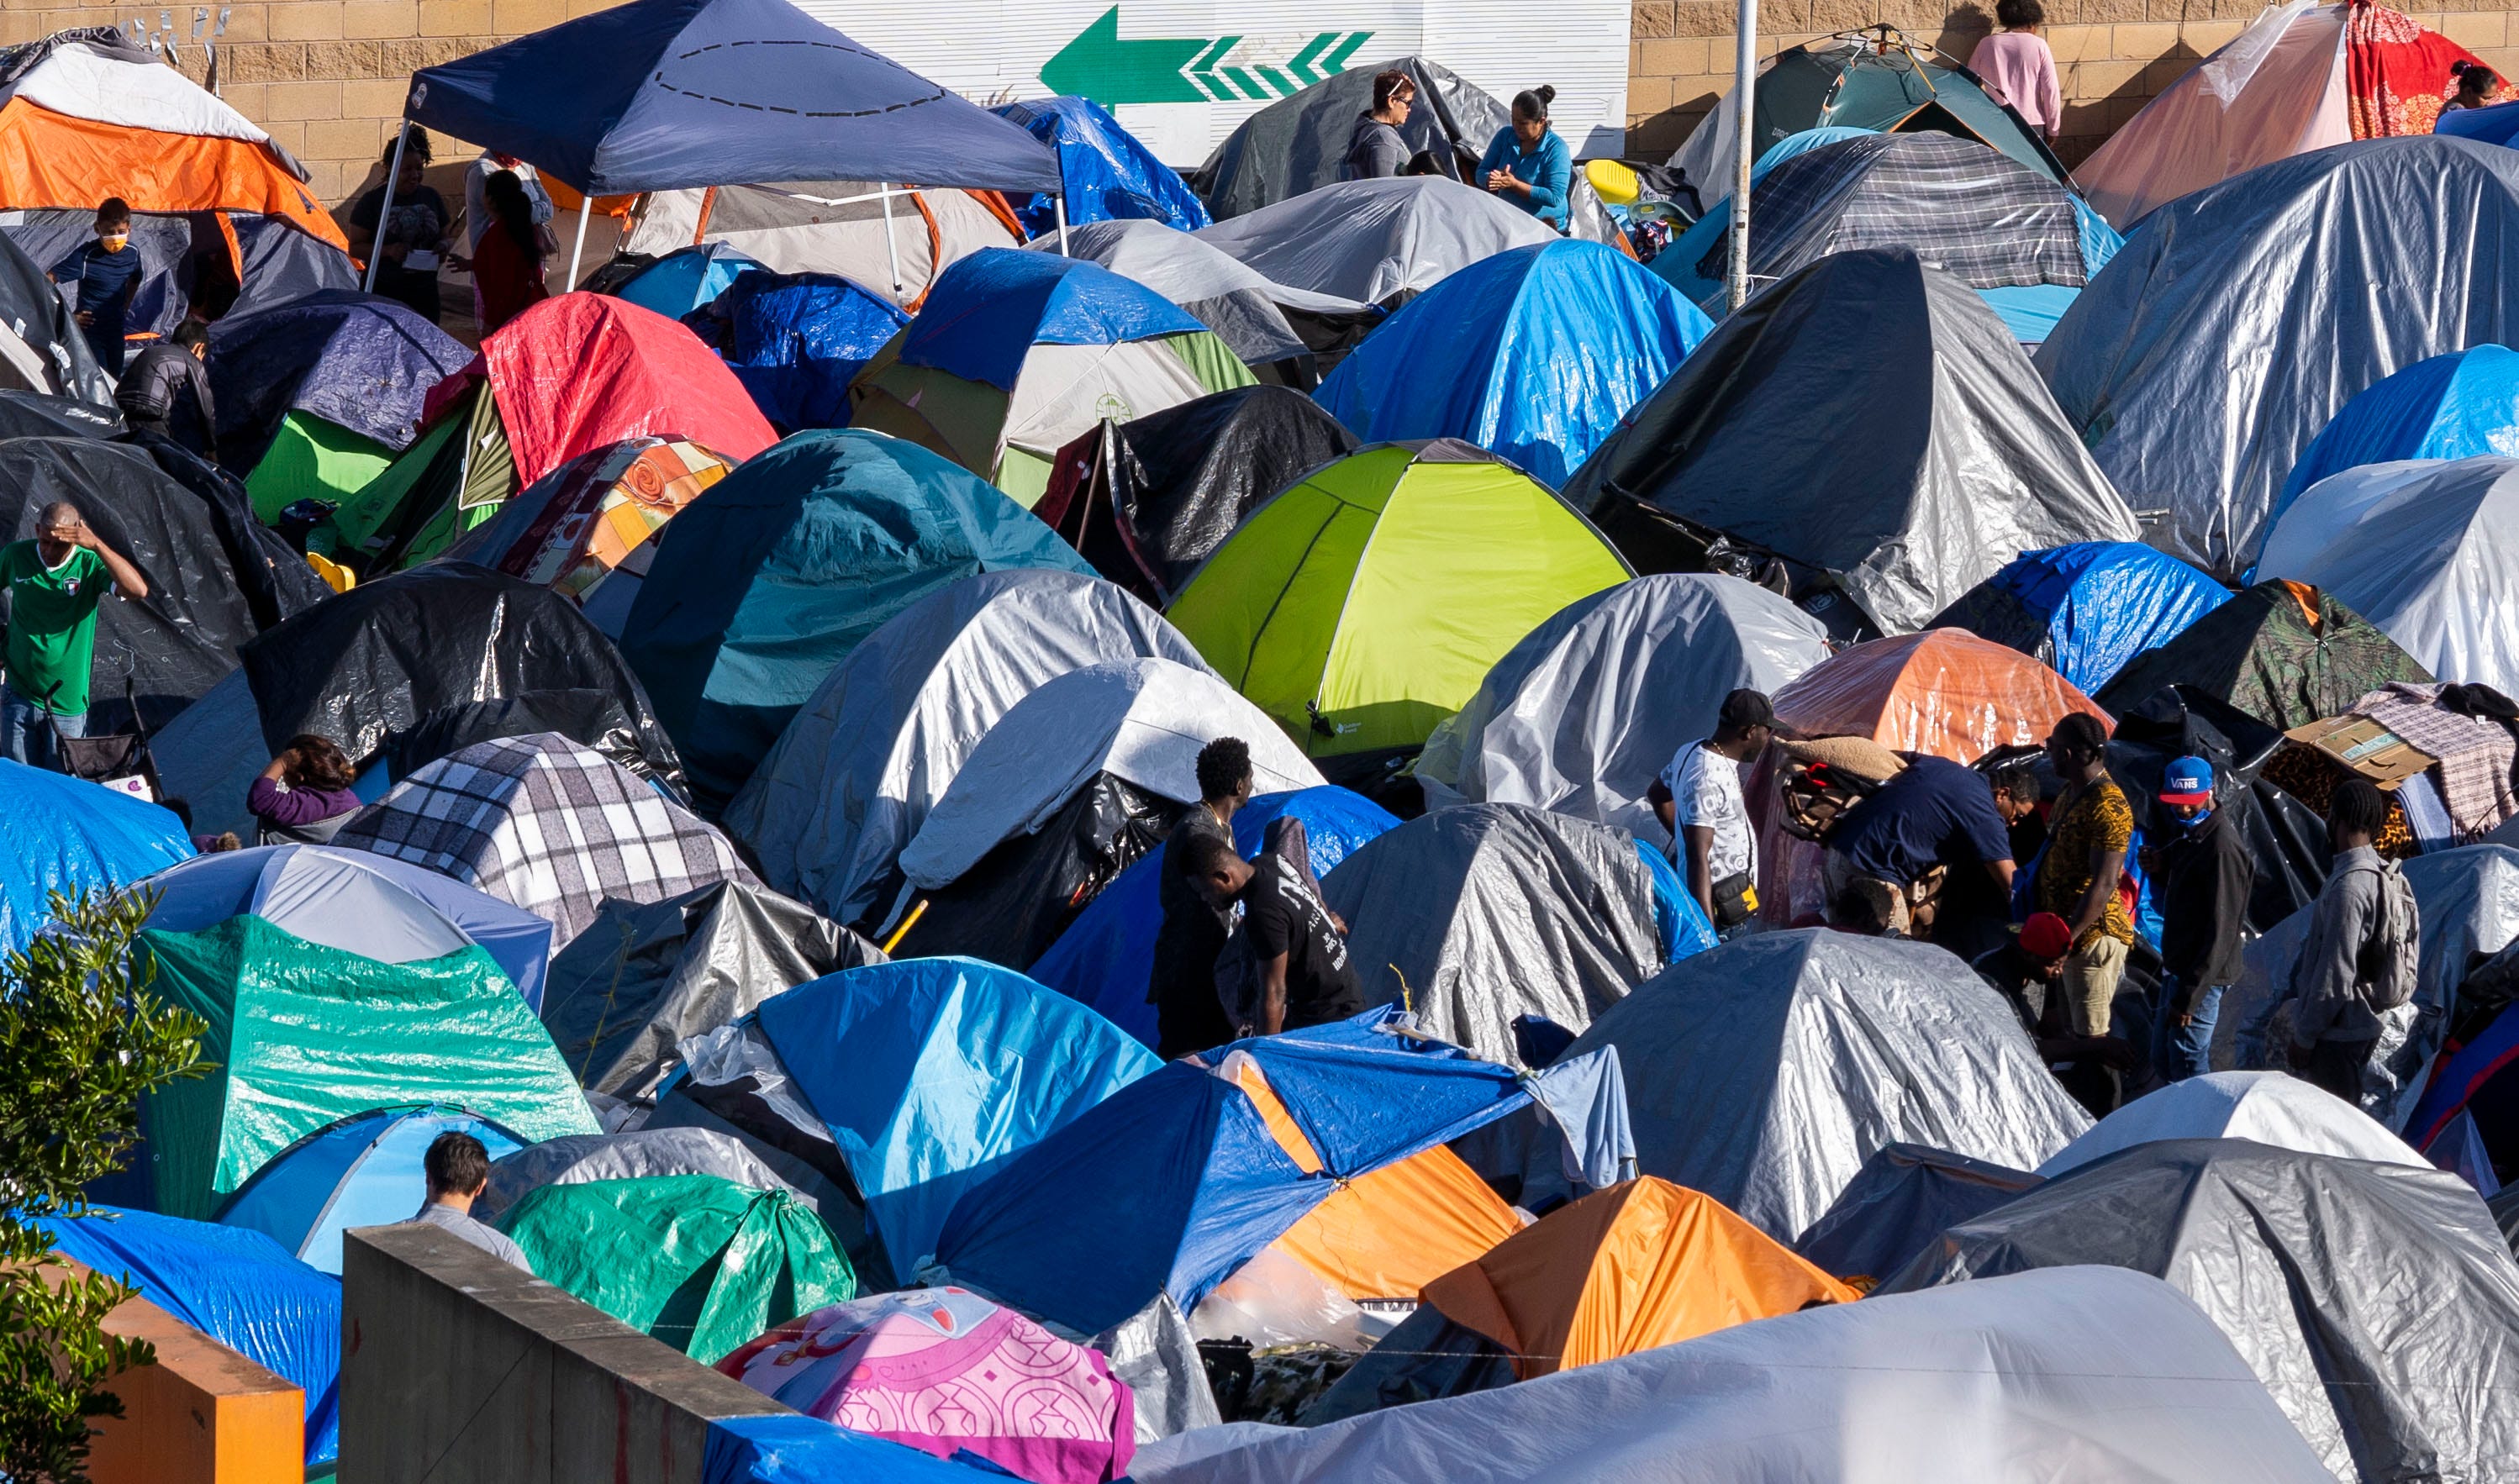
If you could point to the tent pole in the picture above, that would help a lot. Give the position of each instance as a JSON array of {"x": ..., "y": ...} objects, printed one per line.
[
  {"x": 585, "y": 209},
  {"x": 890, "y": 250},
  {"x": 1059, "y": 203},
  {"x": 1745, "y": 84},
  {"x": 385, "y": 212}
]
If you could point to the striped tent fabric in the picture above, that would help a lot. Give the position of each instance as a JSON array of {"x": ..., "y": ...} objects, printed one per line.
[{"x": 545, "y": 825}]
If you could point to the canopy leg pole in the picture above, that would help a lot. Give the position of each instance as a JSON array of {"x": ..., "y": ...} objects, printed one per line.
[
  {"x": 585, "y": 209},
  {"x": 890, "y": 250},
  {"x": 1744, "y": 85},
  {"x": 385, "y": 212},
  {"x": 1058, "y": 203}
]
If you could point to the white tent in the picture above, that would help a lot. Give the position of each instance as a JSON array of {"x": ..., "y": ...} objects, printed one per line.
[
  {"x": 2271, "y": 1108},
  {"x": 1368, "y": 240}
]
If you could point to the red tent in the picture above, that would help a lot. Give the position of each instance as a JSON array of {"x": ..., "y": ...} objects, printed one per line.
[{"x": 583, "y": 372}]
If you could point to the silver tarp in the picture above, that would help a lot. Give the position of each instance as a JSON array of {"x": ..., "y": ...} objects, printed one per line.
[
  {"x": 2205, "y": 357},
  {"x": 1587, "y": 710},
  {"x": 1246, "y": 312},
  {"x": 583, "y": 1157},
  {"x": 1478, "y": 914},
  {"x": 1766, "y": 1070},
  {"x": 2376, "y": 1301},
  {"x": 1371, "y": 238}
]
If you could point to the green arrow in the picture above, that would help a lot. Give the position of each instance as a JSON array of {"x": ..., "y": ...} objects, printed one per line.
[{"x": 1099, "y": 65}]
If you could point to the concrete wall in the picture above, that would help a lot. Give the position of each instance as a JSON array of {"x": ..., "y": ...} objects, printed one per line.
[
  {"x": 457, "y": 1369},
  {"x": 201, "y": 1415}
]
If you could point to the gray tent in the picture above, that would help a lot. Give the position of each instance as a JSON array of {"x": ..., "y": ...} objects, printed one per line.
[
  {"x": 2201, "y": 362},
  {"x": 2376, "y": 1301},
  {"x": 1869, "y": 424},
  {"x": 644, "y": 977},
  {"x": 1900, "y": 1203},
  {"x": 1478, "y": 914},
  {"x": 1586, "y": 711},
  {"x": 1766, "y": 1070},
  {"x": 1380, "y": 241},
  {"x": 582, "y": 1157},
  {"x": 1247, "y": 312}
]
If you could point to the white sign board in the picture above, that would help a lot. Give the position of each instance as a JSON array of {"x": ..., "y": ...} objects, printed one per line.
[{"x": 1181, "y": 74}]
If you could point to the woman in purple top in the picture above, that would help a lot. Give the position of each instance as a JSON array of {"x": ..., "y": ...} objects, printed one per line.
[{"x": 304, "y": 795}]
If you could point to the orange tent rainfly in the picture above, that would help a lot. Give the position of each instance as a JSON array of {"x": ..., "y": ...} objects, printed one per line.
[{"x": 1944, "y": 691}]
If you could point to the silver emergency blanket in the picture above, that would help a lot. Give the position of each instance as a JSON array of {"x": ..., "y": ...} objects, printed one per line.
[
  {"x": 1155, "y": 1354},
  {"x": 583, "y": 1157},
  {"x": 855, "y": 773},
  {"x": 1247, "y": 311},
  {"x": 1472, "y": 916},
  {"x": 1586, "y": 711},
  {"x": 2084, "y": 1375},
  {"x": 2469, "y": 902},
  {"x": 2203, "y": 359},
  {"x": 1869, "y": 421},
  {"x": 643, "y": 978},
  {"x": 2376, "y": 1301},
  {"x": 1766, "y": 1070},
  {"x": 1369, "y": 239}
]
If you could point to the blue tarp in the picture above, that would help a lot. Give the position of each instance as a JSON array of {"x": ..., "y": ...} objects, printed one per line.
[
  {"x": 670, "y": 95},
  {"x": 354, "y": 360},
  {"x": 1677, "y": 918},
  {"x": 687, "y": 278},
  {"x": 988, "y": 311},
  {"x": 790, "y": 1448},
  {"x": 796, "y": 340},
  {"x": 237, "y": 1286},
  {"x": 2104, "y": 602},
  {"x": 361, "y": 1171},
  {"x": 931, "y": 1072},
  {"x": 59, "y": 834},
  {"x": 1105, "y": 955},
  {"x": 1110, "y": 176},
  {"x": 1533, "y": 354},
  {"x": 763, "y": 585},
  {"x": 2463, "y": 404},
  {"x": 2498, "y": 124},
  {"x": 1366, "y": 1097}
]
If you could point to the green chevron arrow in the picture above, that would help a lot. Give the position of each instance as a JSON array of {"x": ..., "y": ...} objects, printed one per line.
[{"x": 1099, "y": 64}]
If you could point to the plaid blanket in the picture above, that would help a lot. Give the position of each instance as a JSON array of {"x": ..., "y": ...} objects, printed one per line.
[
  {"x": 547, "y": 825},
  {"x": 1966, "y": 208},
  {"x": 2474, "y": 771}
]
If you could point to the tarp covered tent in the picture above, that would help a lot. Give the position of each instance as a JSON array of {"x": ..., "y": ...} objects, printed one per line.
[
  {"x": 1944, "y": 691},
  {"x": 2088, "y": 1377},
  {"x": 1361, "y": 606},
  {"x": 367, "y": 1169},
  {"x": 303, "y": 1035},
  {"x": 636, "y": 1155},
  {"x": 1899, "y": 1203},
  {"x": 2284, "y": 652},
  {"x": 44, "y": 351},
  {"x": 2301, "y": 77},
  {"x": 1534, "y": 354},
  {"x": 1765, "y": 1071},
  {"x": 2086, "y": 609},
  {"x": 1015, "y": 354},
  {"x": 2269, "y": 1107},
  {"x": 239, "y": 1288},
  {"x": 1376, "y": 242},
  {"x": 2427, "y": 553},
  {"x": 1584, "y": 713},
  {"x": 1103, "y": 957},
  {"x": 2278, "y": 1247},
  {"x": 644, "y": 977},
  {"x": 588, "y": 528},
  {"x": 687, "y": 279},
  {"x": 2462, "y": 405},
  {"x": 1275, "y": 330},
  {"x": 892, "y": 239},
  {"x": 372, "y": 905},
  {"x": 1148, "y": 499},
  {"x": 1075, "y": 783},
  {"x": 852, "y": 779},
  {"x": 1105, "y": 174},
  {"x": 1943, "y": 459},
  {"x": 41, "y": 415},
  {"x": 61, "y": 834},
  {"x": 1477, "y": 915},
  {"x": 797, "y": 340},
  {"x": 767, "y": 582},
  {"x": 698, "y": 1261},
  {"x": 2141, "y": 362}
]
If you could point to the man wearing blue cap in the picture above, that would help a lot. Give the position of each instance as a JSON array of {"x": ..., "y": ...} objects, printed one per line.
[{"x": 2202, "y": 877}]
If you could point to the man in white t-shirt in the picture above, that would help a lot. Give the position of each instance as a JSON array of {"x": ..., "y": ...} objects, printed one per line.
[{"x": 1700, "y": 799}]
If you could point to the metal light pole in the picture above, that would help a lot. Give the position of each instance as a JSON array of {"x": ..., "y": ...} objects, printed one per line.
[{"x": 1745, "y": 84}]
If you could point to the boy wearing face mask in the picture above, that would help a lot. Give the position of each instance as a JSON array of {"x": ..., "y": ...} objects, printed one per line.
[
  {"x": 2203, "y": 877},
  {"x": 107, "y": 274}
]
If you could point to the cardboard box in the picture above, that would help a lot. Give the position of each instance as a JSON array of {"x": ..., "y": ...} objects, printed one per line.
[{"x": 2365, "y": 747}]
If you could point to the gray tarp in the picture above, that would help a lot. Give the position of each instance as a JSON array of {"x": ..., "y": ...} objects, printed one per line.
[
  {"x": 1869, "y": 421},
  {"x": 1587, "y": 710},
  {"x": 1766, "y": 1070},
  {"x": 582, "y": 1157},
  {"x": 852, "y": 776},
  {"x": 2203, "y": 359},
  {"x": 2469, "y": 901},
  {"x": 2377, "y": 1302},
  {"x": 1369, "y": 239},
  {"x": 1246, "y": 310},
  {"x": 2091, "y": 1375},
  {"x": 641, "y": 978},
  {"x": 1487, "y": 911},
  {"x": 1899, "y": 1203}
]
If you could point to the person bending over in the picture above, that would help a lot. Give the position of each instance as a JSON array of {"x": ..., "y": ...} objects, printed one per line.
[{"x": 1305, "y": 975}]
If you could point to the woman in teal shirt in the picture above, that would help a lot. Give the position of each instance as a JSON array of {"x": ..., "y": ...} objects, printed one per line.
[{"x": 1527, "y": 164}]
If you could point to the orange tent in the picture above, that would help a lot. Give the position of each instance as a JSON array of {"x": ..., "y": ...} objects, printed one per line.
[
  {"x": 1638, "y": 1265},
  {"x": 1944, "y": 691},
  {"x": 53, "y": 161}
]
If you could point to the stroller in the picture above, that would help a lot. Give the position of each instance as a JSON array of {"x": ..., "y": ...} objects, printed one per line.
[{"x": 119, "y": 761}]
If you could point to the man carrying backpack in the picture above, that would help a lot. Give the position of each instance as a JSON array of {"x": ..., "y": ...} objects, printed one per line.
[{"x": 2359, "y": 958}]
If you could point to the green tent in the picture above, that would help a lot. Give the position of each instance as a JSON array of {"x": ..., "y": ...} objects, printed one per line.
[
  {"x": 2285, "y": 652},
  {"x": 1364, "y": 605},
  {"x": 455, "y": 477},
  {"x": 302, "y": 1035},
  {"x": 313, "y": 457},
  {"x": 698, "y": 1261}
]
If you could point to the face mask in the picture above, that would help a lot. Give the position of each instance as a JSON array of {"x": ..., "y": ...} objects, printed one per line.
[
  {"x": 2196, "y": 821},
  {"x": 113, "y": 240}
]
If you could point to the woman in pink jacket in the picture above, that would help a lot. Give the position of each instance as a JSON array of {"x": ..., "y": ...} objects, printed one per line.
[{"x": 2017, "y": 68}]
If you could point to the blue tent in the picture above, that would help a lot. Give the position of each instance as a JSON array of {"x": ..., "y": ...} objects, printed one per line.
[
  {"x": 786, "y": 1448},
  {"x": 354, "y": 360},
  {"x": 670, "y": 95},
  {"x": 687, "y": 278},
  {"x": 2498, "y": 124},
  {"x": 2086, "y": 610},
  {"x": 361, "y": 1171},
  {"x": 1678, "y": 920},
  {"x": 987, "y": 312},
  {"x": 2462, "y": 405},
  {"x": 59, "y": 834},
  {"x": 1110, "y": 177},
  {"x": 238, "y": 1287},
  {"x": 795, "y": 340},
  {"x": 764, "y": 584},
  {"x": 1104, "y": 957}
]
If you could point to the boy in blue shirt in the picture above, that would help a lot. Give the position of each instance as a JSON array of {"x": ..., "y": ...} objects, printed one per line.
[{"x": 106, "y": 275}]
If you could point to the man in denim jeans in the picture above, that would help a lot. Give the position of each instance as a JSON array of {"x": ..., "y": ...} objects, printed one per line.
[{"x": 2202, "y": 877}]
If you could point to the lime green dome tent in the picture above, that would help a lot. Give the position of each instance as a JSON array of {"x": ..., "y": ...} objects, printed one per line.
[{"x": 1362, "y": 606}]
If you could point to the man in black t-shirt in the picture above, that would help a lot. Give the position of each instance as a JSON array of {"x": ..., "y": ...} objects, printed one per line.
[
  {"x": 1299, "y": 946},
  {"x": 1182, "y": 987}
]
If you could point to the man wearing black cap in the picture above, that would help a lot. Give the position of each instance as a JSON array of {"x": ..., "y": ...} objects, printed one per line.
[{"x": 1700, "y": 802}]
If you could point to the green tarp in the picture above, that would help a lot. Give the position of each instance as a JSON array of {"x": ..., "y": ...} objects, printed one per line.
[
  {"x": 698, "y": 1261},
  {"x": 312, "y": 458}
]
